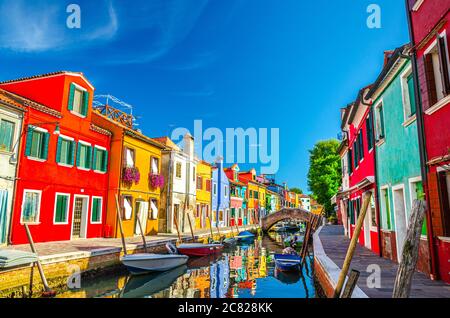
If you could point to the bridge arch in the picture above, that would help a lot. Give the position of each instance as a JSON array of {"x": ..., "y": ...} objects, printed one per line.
[{"x": 284, "y": 214}]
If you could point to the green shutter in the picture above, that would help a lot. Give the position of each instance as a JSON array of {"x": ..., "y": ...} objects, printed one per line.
[
  {"x": 29, "y": 140},
  {"x": 61, "y": 208},
  {"x": 412, "y": 97},
  {"x": 94, "y": 157},
  {"x": 45, "y": 141},
  {"x": 72, "y": 151},
  {"x": 58, "y": 150},
  {"x": 89, "y": 157},
  {"x": 85, "y": 103},
  {"x": 71, "y": 95},
  {"x": 78, "y": 154},
  {"x": 105, "y": 161},
  {"x": 94, "y": 217}
]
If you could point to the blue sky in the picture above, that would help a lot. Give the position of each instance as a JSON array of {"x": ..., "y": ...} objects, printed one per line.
[{"x": 286, "y": 64}]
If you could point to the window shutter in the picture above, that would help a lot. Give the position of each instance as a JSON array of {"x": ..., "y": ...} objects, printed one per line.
[
  {"x": 431, "y": 83},
  {"x": 45, "y": 141},
  {"x": 58, "y": 150},
  {"x": 89, "y": 158},
  {"x": 71, "y": 95},
  {"x": 78, "y": 154},
  {"x": 29, "y": 140},
  {"x": 94, "y": 216},
  {"x": 443, "y": 65},
  {"x": 105, "y": 161},
  {"x": 94, "y": 157},
  {"x": 85, "y": 103},
  {"x": 72, "y": 152}
]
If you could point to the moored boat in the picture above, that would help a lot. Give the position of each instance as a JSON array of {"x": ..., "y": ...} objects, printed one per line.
[
  {"x": 199, "y": 249},
  {"x": 287, "y": 262},
  {"x": 245, "y": 236},
  {"x": 145, "y": 262}
]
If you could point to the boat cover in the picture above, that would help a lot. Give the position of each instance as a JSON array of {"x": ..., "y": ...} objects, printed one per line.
[{"x": 11, "y": 258}]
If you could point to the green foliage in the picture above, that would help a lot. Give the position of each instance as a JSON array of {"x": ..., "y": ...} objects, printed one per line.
[
  {"x": 296, "y": 190},
  {"x": 324, "y": 176}
]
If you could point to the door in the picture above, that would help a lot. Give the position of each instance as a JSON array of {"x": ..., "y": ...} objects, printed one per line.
[
  {"x": 3, "y": 215},
  {"x": 79, "y": 222},
  {"x": 367, "y": 218},
  {"x": 142, "y": 215},
  {"x": 400, "y": 219}
]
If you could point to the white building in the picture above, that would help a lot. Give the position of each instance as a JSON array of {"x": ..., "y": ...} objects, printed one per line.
[
  {"x": 178, "y": 198},
  {"x": 306, "y": 202},
  {"x": 11, "y": 117}
]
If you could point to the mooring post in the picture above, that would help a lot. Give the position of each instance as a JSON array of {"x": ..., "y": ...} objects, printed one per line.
[
  {"x": 352, "y": 246},
  {"x": 410, "y": 253}
]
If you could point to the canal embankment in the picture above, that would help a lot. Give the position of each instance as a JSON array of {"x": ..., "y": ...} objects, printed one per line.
[
  {"x": 86, "y": 257},
  {"x": 330, "y": 248}
]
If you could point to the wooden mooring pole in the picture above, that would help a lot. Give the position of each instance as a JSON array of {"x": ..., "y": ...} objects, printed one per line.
[
  {"x": 119, "y": 219},
  {"x": 351, "y": 284},
  {"x": 410, "y": 253},
  {"x": 142, "y": 233},
  {"x": 352, "y": 246}
]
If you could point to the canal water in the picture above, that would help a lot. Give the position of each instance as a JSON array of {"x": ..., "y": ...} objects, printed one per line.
[{"x": 244, "y": 271}]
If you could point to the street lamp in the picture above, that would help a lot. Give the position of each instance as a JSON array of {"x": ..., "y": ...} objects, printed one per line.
[{"x": 13, "y": 158}]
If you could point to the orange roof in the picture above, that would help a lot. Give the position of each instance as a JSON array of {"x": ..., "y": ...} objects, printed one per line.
[
  {"x": 27, "y": 78},
  {"x": 167, "y": 142},
  {"x": 11, "y": 100}
]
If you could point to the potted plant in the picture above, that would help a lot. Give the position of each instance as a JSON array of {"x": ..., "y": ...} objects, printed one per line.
[{"x": 131, "y": 175}]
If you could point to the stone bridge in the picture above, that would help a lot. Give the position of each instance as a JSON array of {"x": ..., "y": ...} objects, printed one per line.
[{"x": 284, "y": 214}]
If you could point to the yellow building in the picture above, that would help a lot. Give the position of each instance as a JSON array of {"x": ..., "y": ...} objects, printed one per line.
[
  {"x": 252, "y": 203},
  {"x": 135, "y": 178},
  {"x": 203, "y": 185}
]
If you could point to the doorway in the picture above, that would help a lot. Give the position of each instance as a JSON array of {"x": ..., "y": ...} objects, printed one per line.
[
  {"x": 367, "y": 218},
  {"x": 79, "y": 221},
  {"x": 142, "y": 215},
  {"x": 400, "y": 218}
]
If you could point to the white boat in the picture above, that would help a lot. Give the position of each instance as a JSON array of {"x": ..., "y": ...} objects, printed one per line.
[{"x": 146, "y": 262}]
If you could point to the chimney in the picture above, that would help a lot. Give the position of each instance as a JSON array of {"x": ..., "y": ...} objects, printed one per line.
[
  {"x": 387, "y": 56},
  {"x": 188, "y": 145}
]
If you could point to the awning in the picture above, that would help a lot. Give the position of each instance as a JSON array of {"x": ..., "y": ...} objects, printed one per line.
[{"x": 367, "y": 181}]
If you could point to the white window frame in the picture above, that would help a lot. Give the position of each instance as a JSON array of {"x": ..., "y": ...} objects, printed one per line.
[
  {"x": 67, "y": 208},
  {"x": 38, "y": 214},
  {"x": 384, "y": 224},
  {"x": 101, "y": 209},
  {"x": 93, "y": 163},
  {"x": 84, "y": 143},
  {"x": 407, "y": 106},
  {"x": 84, "y": 90},
  {"x": 67, "y": 138},
  {"x": 379, "y": 104},
  {"x": 42, "y": 130},
  {"x": 181, "y": 170}
]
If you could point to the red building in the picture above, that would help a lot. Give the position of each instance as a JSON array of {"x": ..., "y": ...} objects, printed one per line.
[
  {"x": 359, "y": 162},
  {"x": 430, "y": 32},
  {"x": 63, "y": 162}
]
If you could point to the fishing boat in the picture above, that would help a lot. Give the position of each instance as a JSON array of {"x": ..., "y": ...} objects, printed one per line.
[
  {"x": 199, "y": 249},
  {"x": 245, "y": 236},
  {"x": 287, "y": 262},
  {"x": 146, "y": 285},
  {"x": 146, "y": 262}
]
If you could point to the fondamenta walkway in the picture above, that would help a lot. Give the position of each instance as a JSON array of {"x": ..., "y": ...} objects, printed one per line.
[{"x": 335, "y": 245}]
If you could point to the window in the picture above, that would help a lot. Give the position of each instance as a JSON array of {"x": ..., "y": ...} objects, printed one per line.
[
  {"x": 369, "y": 132},
  {"x": 127, "y": 205},
  {"x": 78, "y": 100},
  {"x": 225, "y": 191},
  {"x": 361, "y": 145},
  {"x": 208, "y": 185},
  {"x": 444, "y": 188},
  {"x": 251, "y": 194},
  {"x": 129, "y": 158},
  {"x": 65, "y": 152},
  {"x": 155, "y": 165},
  {"x": 84, "y": 156},
  {"x": 199, "y": 183},
  {"x": 153, "y": 215},
  {"x": 355, "y": 154},
  {"x": 37, "y": 143},
  {"x": 214, "y": 188},
  {"x": 178, "y": 170},
  {"x": 96, "y": 213},
  {"x": 61, "y": 208},
  {"x": 6, "y": 135},
  {"x": 379, "y": 122},
  {"x": 100, "y": 160},
  {"x": 193, "y": 174},
  {"x": 349, "y": 160},
  {"x": 31, "y": 206},
  {"x": 417, "y": 193},
  {"x": 385, "y": 207},
  {"x": 437, "y": 71}
]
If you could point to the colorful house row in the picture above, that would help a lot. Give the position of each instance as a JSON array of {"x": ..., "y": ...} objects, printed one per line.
[{"x": 396, "y": 144}]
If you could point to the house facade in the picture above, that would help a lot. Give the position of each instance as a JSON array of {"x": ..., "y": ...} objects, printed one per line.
[
  {"x": 135, "y": 176},
  {"x": 361, "y": 169},
  {"x": 305, "y": 201},
  {"x": 12, "y": 111},
  {"x": 399, "y": 180},
  {"x": 63, "y": 172},
  {"x": 203, "y": 195},
  {"x": 238, "y": 201},
  {"x": 220, "y": 199},
  {"x": 249, "y": 179},
  {"x": 178, "y": 197},
  {"x": 430, "y": 31}
]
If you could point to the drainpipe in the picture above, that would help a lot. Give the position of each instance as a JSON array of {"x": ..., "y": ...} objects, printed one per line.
[
  {"x": 169, "y": 183},
  {"x": 120, "y": 180},
  {"x": 422, "y": 147}
]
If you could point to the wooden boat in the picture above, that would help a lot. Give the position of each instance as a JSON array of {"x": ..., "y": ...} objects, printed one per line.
[
  {"x": 199, "y": 249},
  {"x": 287, "y": 277},
  {"x": 147, "y": 285},
  {"x": 146, "y": 262},
  {"x": 287, "y": 262},
  {"x": 229, "y": 241},
  {"x": 245, "y": 236}
]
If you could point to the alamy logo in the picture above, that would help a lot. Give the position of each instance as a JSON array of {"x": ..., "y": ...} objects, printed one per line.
[
  {"x": 74, "y": 19},
  {"x": 374, "y": 19}
]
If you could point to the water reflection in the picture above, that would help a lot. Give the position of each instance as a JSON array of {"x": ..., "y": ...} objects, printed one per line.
[{"x": 244, "y": 271}]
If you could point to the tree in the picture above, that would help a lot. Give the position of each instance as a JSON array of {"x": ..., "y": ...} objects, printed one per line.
[
  {"x": 296, "y": 190},
  {"x": 324, "y": 176}
]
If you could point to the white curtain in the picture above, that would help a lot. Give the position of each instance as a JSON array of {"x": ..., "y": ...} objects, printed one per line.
[
  {"x": 130, "y": 160},
  {"x": 155, "y": 166},
  {"x": 154, "y": 208},
  {"x": 128, "y": 208}
]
